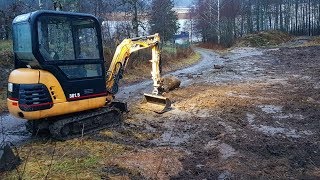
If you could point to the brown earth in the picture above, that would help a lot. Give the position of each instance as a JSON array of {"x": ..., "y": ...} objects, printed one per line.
[{"x": 255, "y": 118}]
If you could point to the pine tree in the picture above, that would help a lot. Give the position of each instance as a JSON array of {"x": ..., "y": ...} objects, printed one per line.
[{"x": 163, "y": 19}]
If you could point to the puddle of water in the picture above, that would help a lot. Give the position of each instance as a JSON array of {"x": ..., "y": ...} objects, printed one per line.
[
  {"x": 271, "y": 131},
  {"x": 287, "y": 116},
  {"x": 211, "y": 144},
  {"x": 317, "y": 85},
  {"x": 305, "y": 78},
  {"x": 271, "y": 109},
  {"x": 228, "y": 128},
  {"x": 168, "y": 138},
  {"x": 177, "y": 113},
  {"x": 245, "y": 52},
  {"x": 250, "y": 118},
  {"x": 278, "y": 113},
  {"x": 226, "y": 175},
  {"x": 293, "y": 133},
  {"x": 202, "y": 113},
  {"x": 226, "y": 151}
]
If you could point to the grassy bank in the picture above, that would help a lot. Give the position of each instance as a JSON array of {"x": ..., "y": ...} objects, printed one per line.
[
  {"x": 263, "y": 39},
  {"x": 258, "y": 39},
  {"x": 6, "y": 65}
]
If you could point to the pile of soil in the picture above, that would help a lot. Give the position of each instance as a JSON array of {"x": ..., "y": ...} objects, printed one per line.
[{"x": 264, "y": 38}]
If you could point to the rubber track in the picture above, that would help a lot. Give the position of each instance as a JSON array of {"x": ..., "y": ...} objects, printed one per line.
[{"x": 86, "y": 123}]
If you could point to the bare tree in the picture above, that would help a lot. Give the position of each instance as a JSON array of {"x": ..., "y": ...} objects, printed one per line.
[
  {"x": 234, "y": 18},
  {"x": 8, "y": 12}
]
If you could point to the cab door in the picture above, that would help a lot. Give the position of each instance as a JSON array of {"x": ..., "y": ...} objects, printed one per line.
[{"x": 70, "y": 47}]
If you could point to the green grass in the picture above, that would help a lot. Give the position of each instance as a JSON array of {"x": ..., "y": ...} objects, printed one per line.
[
  {"x": 6, "y": 62},
  {"x": 72, "y": 159},
  {"x": 169, "y": 49},
  {"x": 75, "y": 166},
  {"x": 3, "y": 100},
  {"x": 5, "y": 45}
]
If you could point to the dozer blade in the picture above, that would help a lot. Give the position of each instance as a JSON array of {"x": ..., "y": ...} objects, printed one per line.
[{"x": 158, "y": 104}]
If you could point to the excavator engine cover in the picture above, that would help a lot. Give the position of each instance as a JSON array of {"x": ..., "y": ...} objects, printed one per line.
[{"x": 156, "y": 103}]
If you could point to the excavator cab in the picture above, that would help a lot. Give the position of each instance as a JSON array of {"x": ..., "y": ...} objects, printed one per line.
[
  {"x": 59, "y": 65},
  {"x": 68, "y": 45}
]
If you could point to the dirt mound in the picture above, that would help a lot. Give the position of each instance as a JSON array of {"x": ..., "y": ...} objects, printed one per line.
[{"x": 264, "y": 38}]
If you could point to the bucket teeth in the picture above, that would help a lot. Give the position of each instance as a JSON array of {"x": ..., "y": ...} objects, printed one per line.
[{"x": 158, "y": 104}]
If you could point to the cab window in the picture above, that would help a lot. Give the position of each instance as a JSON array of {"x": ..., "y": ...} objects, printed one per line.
[
  {"x": 86, "y": 42},
  {"x": 55, "y": 38},
  {"x": 62, "y": 38},
  {"x": 70, "y": 39}
]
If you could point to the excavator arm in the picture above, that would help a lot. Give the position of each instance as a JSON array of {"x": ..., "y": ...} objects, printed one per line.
[
  {"x": 154, "y": 101},
  {"x": 121, "y": 58}
]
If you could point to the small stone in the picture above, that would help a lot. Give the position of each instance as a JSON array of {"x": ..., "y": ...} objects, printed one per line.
[
  {"x": 218, "y": 66},
  {"x": 189, "y": 76}
]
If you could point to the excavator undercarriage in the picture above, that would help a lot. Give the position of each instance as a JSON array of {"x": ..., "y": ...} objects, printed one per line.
[{"x": 79, "y": 124}]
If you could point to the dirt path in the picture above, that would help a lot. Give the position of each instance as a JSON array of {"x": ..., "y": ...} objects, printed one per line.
[{"x": 257, "y": 117}]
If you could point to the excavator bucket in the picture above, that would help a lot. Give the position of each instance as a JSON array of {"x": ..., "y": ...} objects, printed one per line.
[{"x": 158, "y": 104}]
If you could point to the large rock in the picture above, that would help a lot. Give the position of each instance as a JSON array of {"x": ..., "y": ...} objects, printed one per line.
[
  {"x": 170, "y": 83},
  {"x": 8, "y": 160}
]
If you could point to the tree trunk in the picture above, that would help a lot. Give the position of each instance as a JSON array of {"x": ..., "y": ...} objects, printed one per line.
[{"x": 281, "y": 16}]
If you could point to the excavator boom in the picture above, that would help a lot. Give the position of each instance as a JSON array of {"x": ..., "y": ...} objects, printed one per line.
[{"x": 153, "y": 101}]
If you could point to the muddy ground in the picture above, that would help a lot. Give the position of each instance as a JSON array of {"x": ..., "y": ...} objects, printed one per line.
[{"x": 256, "y": 117}]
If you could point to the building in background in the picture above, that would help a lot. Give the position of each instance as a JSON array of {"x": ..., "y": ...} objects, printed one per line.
[{"x": 120, "y": 21}]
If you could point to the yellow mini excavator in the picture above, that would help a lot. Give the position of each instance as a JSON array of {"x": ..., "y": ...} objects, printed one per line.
[{"x": 60, "y": 83}]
